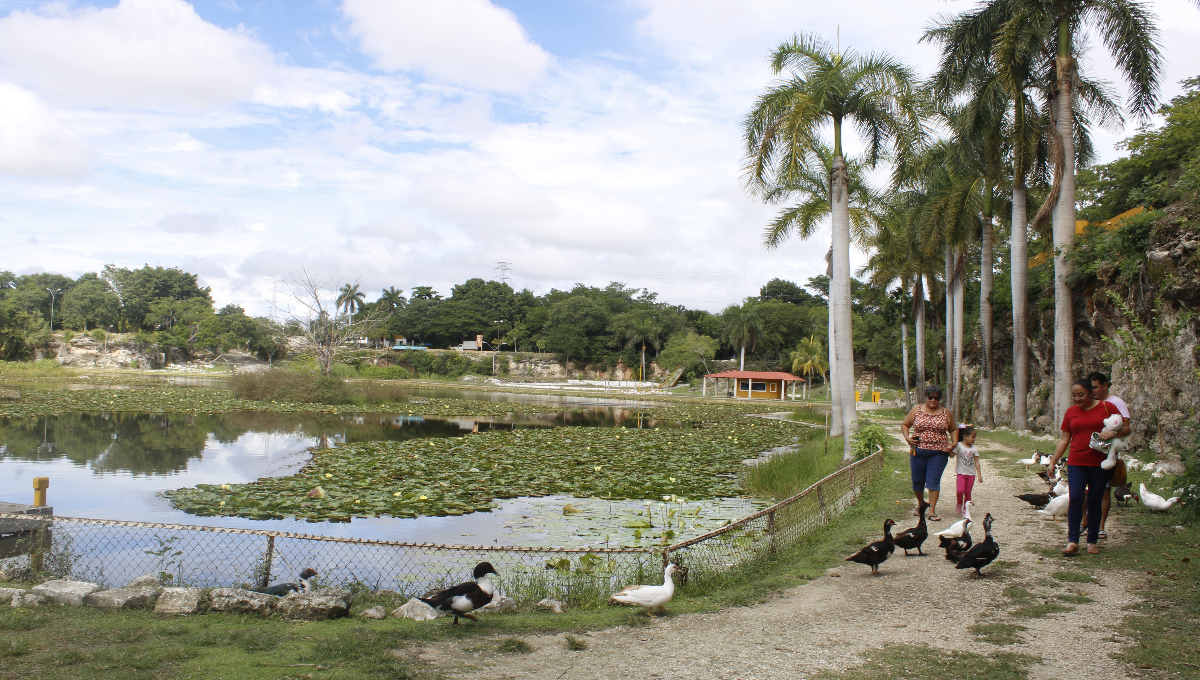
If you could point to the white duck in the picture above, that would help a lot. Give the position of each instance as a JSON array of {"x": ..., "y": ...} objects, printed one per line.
[
  {"x": 1154, "y": 501},
  {"x": 1061, "y": 489},
  {"x": 1057, "y": 506},
  {"x": 1032, "y": 460},
  {"x": 649, "y": 597},
  {"x": 1044, "y": 461},
  {"x": 956, "y": 530}
]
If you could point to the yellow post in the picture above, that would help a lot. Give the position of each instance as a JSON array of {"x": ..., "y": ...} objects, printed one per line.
[
  {"x": 857, "y": 395},
  {"x": 875, "y": 397},
  {"x": 40, "y": 484}
]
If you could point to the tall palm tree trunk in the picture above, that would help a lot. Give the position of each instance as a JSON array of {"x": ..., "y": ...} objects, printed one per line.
[
  {"x": 843, "y": 333},
  {"x": 958, "y": 332},
  {"x": 985, "y": 311},
  {"x": 741, "y": 358},
  {"x": 835, "y": 392},
  {"x": 919, "y": 316},
  {"x": 904, "y": 358},
  {"x": 948, "y": 294},
  {"x": 1019, "y": 256},
  {"x": 1063, "y": 222}
]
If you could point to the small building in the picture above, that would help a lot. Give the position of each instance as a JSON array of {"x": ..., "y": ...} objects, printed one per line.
[{"x": 755, "y": 384}]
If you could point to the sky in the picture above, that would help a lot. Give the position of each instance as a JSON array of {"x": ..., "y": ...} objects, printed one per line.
[{"x": 408, "y": 143}]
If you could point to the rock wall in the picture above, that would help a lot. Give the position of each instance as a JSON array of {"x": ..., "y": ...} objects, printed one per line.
[{"x": 82, "y": 351}]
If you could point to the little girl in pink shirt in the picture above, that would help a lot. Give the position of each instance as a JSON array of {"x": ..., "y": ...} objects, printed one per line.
[{"x": 967, "y": 466}]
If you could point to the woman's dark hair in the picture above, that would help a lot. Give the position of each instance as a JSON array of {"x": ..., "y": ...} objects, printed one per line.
[
  {"x": 933, "y": 391},
  {"x": 1084, "y": 383},
  {"x": 965, "y": 431}
]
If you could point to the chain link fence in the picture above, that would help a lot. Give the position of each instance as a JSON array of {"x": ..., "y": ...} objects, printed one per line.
[{"x": 113, "y": 553}]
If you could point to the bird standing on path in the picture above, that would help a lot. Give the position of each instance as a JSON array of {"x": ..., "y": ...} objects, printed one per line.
[
  {"x": 465, "y": 598},
  {"x": 877, "y": 553},
  {"x": 981, "y": 555},
  {"x": 914, "y": 537},
  {"x": 955, "y": 530}
]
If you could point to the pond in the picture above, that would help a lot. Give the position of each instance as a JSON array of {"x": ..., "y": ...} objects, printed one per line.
[{"x": 114, "y": 466}]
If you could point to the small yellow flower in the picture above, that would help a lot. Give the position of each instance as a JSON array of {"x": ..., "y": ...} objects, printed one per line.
[
  {"x": 222, "y": 504},
  {"x": 423, "y": 498},
  {"x": 328, "y": 475},
  {"x": 597, "y": 468},
  {"x": 671, "y": 478},
  {"x": 397, "y": 494}
]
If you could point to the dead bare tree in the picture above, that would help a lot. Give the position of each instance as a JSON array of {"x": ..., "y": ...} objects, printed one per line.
[{"x": 325, "y": 330}]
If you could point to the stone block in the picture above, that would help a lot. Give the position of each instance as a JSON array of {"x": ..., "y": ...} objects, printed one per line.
[
  {"x": 145, "y": 581},
  {"x": 176, "y": 601},
  {"x": 326, "y": 603},
  {"x": 416, "y": 610},
  {"x": 242, "y": 601},
  {"x": 554, "y": 606},
  {"x": 122, "y": 598},
  {"x": 27, "y": 600},
  {"x": 66, "y": 592},
  {"x": 7, "y": 594},
  {"x": 374, "y": 613},
  {"x": 499, "y": 604}
]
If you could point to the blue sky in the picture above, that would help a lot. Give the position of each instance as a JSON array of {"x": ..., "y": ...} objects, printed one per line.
[{"x": 405, "y": 143}]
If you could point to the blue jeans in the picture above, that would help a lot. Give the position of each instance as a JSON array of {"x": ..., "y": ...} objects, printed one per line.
[
  {"x": 927, "y": 468},
  {"x": 1093, "y": 479}
]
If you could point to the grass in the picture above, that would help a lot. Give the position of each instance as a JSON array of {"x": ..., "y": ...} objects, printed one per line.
[
  {"x": 787, "y": 474},
  {"x": 1039, "y": 611},
  {"x": 1073, "y": 577},
  {"x": 513, "y": 645},
  {"x": 920, "y": 662},
  {"x": 290, "y": 385},
  {"x": 998, "y": 633},
  {"x": 33, "y": 369},
  {"x": 575, "y": 644}
]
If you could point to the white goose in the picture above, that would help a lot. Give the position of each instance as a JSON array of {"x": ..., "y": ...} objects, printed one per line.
[
  {"x": 1032, "y": 460},
  {"x": 1061, "y": 489},
  {"x": 649, "y": 597},
  {"x": 956, "y": 530},
  {"x": 1154, "y": 501},
  {"x": 1057, "y": 506},
  {"x": 1044, "y": 461}
]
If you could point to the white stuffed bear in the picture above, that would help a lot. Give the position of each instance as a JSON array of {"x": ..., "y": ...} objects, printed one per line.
[{"x": 1113, "y": 446}]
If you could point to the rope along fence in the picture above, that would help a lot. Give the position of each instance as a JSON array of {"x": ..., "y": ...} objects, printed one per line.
[{"x": 113, "y": 553}]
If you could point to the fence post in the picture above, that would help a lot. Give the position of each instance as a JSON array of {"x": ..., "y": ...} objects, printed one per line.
[
  {"x": 771, "y": 529},
  {"x": 266, "y": 576},
  {"x": 821, "y": 501}
]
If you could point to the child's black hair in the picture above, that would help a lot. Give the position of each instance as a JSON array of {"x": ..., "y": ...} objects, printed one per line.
[{"x": 965, "y": 431}]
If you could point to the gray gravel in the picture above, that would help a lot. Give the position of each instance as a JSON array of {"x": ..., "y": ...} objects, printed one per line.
[{"x": 829, "y": 623}]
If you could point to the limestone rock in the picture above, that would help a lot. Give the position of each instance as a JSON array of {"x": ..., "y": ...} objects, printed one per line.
[
  {"x": 27, "y": 600},
  {"x": 122, "y": 598},
  {"x": 174, "y": 601},
  {"x": 7, "y": 594},
  {"x": 66, "y": 592},
  {"x": 145, "y": 581},
  {"x": 416, "y": 610},
  {"x": 374, "y": 613},
  {"x": 555, "y": 606},
  {"x": 499, "y": 603},
  {"x": 326, "y": 603},
  {"x": 242, "y": 601}
]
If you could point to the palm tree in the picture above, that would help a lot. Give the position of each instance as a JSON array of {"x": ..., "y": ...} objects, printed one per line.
[
  {"x": 644, "y": 330},
  {"x": 824, "y": 86},
  {"x": 391, "y": 299},
  {"x": 350, "y": 299},
  {"x": 1127, "y": 30},
  {"x": 742, "y": 327},
  {"x": 809, "y": 358}
]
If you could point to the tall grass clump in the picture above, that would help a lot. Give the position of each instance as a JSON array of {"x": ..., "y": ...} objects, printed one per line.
[
  {"x": 787, "y": 474},
  {"x": 33, "y": 369},
  {"x": 298, "y": 386}
]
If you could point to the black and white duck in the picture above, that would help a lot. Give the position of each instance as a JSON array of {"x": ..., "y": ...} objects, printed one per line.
[
  {"x": 914, "y": 537},
  {"x": 1123, "y": 494},
  {"x": 981, "y": 555},
  {"x": 1037, "y": 500},
  {"x": 285, "y": 589},
  {"x": 957, "y": 547},
  {"x": 877, "y": 553},
  {"x": 465, "y": 598}
]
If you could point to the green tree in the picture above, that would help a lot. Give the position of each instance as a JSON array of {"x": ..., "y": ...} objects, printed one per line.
[
  {"x": 827, "y": 86},
  {"x": 809, "y": 358},
  {"x": 391, "y": 300},
  {"x": 687, "y": 350},
  {"x": 569, "y": 341},
  {"x": 90, "y": 304},
  {"x": 350, "y": 299},
  {"x": 742, "y": 327},
  {"x": 138, "y": 289}
]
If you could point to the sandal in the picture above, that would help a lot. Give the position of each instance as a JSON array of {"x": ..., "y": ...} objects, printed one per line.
[
  {"x": 1103, "y": 534},
  {"x": 1071, "y": 549},
  {"x": 934, "y": 518},
  {"x": 1093, "y": 549}
]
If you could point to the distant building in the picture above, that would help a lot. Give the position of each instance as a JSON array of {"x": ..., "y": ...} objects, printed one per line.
[{"x": 755, "y": 384}]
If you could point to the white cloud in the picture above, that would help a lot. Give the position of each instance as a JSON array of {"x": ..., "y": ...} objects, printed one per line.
[
  {"x": 34, "y": 142},
  {"x": 139, "y": 52},
  {"x": 494, "y": 193},
  {"x": 464, "y": 42},
  {"x": 192, "y": 223}
]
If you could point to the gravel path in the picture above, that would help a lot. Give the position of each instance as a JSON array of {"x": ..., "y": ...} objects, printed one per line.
[{"x": 829, "y": 623}]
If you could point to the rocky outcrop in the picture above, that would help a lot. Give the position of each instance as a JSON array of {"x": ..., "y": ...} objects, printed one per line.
[
  {"x": 326, "y": 603},
  {"x": 416, "y": 610},
  {"x": 178, "y": 601},
  {"x": 28, "y": 600},
  {"x": 242, "y": 601},
  {"x": 373, "y": 614},
  {"x": 122, "y": 598}
]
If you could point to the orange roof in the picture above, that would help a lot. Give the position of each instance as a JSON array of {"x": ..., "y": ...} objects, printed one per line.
[{"x": 755, "y": 375}]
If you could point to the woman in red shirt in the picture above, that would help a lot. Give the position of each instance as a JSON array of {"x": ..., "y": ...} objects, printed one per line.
[{"x": 1084, "y": 474}]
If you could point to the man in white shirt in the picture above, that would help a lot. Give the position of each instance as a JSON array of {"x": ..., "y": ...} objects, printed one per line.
[{"x": 1100, "y": 393}]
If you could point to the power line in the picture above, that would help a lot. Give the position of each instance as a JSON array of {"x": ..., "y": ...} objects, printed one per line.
[{"x": 503, "y": 268}]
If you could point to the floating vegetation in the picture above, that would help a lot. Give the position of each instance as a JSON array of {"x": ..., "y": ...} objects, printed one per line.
[{"x": 456, "y": 476}]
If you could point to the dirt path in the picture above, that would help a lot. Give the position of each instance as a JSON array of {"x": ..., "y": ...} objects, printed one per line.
[{"x": 827, "y": 624}]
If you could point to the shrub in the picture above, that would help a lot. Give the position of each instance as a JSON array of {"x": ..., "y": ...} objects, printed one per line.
[
  {"x": 868, "y": 438},
  {"x": 280, "y": 384},
  {"x": 68, "y": 335}
]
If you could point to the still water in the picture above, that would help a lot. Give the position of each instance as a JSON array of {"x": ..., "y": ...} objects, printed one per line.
[{"x": 113, "y": 465}]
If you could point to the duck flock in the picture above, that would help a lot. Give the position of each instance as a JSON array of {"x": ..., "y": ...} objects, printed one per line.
[
  {"x": 1054, "y": 502},
  {"x": 955, "y": 540}
]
